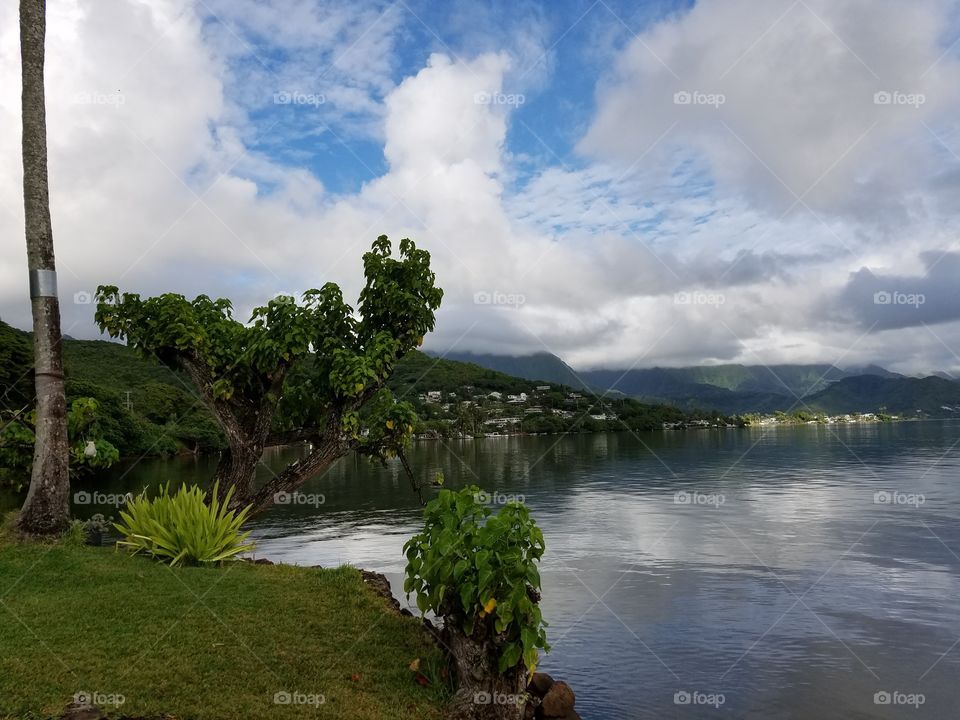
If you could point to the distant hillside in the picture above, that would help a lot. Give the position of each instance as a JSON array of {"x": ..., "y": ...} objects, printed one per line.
[
  {"x": 789, "y": 380},
  {"x": 738, "y": 389},
  {"x": 16, "y": 361},
  {"x": 115, "y": 366},
  {"x": 419, "y": 372},
  {"x": 160, "y": 415},
  {"x": 539, "y": 366},
  {"x": 933, "y": 396}
]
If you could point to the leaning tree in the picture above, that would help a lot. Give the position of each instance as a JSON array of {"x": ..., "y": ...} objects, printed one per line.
[{"x": 312, "y": 372}]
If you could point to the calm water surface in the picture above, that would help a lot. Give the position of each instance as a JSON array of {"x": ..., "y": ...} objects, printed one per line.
[{"x": 762, "y": 566}]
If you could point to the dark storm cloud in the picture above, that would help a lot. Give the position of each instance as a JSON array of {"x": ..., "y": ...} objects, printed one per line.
[{"x": 887, "y": 301}]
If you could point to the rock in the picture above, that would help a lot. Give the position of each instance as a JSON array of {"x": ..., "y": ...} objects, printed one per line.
[
  {"x": 381, "y": 586},
  {"x": 262, "y": 561},
  {"x": 539, "y": 684},
  {"x": 559, "y": 700}
]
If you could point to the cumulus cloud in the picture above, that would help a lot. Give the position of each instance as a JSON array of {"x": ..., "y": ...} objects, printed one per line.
[{"x": 818, "y": 106}]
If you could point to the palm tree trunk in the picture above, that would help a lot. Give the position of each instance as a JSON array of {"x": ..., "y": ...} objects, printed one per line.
[{"x": 47, "y": 508}]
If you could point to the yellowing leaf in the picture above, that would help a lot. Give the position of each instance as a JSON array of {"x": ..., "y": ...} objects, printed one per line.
[
  {"x": 358, "y": 387},
  {"x": 491, "y": 604},
  {"x": 389, "y": 424},
  {"x": 415, "y": 665}
]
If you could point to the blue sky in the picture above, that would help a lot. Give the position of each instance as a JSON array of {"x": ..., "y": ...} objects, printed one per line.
[{"x": 561, "y": 46}]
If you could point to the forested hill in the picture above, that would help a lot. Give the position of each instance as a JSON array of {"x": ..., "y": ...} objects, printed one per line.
[
  {"x": 933, "y": 396},
  {"x": 542, "y": 366}
]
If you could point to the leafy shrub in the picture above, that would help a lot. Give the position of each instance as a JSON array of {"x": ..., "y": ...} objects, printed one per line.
[
  {"x": 473, "y": 566},
  {"x": 183, "y": 529}
]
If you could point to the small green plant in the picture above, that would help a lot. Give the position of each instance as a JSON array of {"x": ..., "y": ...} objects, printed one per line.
[
  {"x": 76, "y": 534},
  {"x": 476, "y": 568},
  {"x": 184, "y": 529}
]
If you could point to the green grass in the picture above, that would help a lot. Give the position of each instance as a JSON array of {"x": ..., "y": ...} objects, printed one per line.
[{"x": 200, "y": 643}]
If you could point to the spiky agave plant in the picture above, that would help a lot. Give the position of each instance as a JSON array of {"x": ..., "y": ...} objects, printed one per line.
[{"x": 184, "y": 529}]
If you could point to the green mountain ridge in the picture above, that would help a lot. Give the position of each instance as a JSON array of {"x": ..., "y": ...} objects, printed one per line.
[
  {"x": 738, "y": 389},
  {"x": 933, "y": 396},
  {"x": 543, "y": 366}
]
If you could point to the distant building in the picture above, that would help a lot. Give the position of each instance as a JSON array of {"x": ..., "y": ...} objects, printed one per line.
[
  {"x": 543, "y": 388},
  {"x": 502, "y": 422},
  {"x": 434, "y": 396},
  {"x": 495, "y": 395}
]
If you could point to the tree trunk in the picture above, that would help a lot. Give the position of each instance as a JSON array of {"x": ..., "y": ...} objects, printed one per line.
[
  {"x": 247, "y": 438},
  {"x": 483, "y": 693},
  {"x": 328, "y": 451},
  {"x": 47, "y": 508},
  {"x": 237, "y": 468}
]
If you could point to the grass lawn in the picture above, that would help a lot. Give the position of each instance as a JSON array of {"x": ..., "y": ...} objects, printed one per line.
[{"x": 201, "y": 643}]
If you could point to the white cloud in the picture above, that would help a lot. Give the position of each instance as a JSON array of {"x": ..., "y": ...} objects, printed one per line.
[
  {"x": 795, "y": 115},
  {"x": 164, "y": 176}
]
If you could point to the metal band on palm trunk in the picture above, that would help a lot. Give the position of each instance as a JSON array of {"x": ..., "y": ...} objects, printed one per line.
[{"x": 43, "y": 283}]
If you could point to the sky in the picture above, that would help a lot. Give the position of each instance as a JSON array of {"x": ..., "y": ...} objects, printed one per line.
[{"x": 623, "y": 184}]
